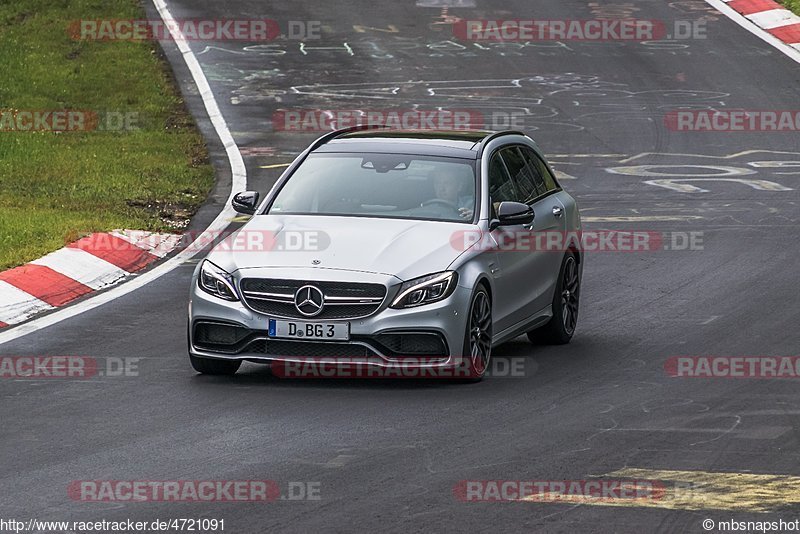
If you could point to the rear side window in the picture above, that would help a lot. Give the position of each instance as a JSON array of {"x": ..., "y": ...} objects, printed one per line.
[{"x": 543, "y": 172}]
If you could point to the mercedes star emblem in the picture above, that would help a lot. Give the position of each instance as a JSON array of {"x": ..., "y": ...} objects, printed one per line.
[{"x": 309, "y": 300}]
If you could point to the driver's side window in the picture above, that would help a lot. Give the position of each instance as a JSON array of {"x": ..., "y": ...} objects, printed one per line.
[{"x": 501, "y": 187}]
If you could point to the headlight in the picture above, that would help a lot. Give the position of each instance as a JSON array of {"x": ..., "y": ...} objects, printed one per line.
[
  {"x": 216, "y": 281},
  {"x": 425, "y": 290}
]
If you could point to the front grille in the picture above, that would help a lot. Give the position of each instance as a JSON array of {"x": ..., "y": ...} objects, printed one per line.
[
  {"x": 343, "y": 300},
  {"x": 291, "y": 349},
  {"x": 279, "y": 309}
]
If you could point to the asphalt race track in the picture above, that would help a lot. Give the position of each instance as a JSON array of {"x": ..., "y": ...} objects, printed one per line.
[{"x": 386, "y": 455}]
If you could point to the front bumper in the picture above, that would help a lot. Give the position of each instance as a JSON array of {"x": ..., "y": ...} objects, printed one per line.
[{"x": 375, "y": 340}]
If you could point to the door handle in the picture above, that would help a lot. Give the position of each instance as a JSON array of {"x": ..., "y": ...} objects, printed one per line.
[{"x": 558, "y": 211}]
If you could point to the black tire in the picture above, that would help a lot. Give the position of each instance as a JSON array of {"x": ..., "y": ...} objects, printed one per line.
[
  {"x": 477, "y": 351},
  {"x": 212, "y": 366},
  {"x": 561, "y": 327}
]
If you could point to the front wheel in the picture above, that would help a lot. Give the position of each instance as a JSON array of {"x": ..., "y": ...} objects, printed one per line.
[
  {"x": 212, "y": 366},
  {"x": 478, "y": 337},
  {"x": 561, "y": 327}
]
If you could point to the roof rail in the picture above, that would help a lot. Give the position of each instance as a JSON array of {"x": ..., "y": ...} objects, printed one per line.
[
  {"x": 495, "y": 135},
  {"x": 338, "y": 133}
]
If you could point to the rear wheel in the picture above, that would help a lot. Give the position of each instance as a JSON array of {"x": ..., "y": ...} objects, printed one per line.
[
  {"x": 478, "y": 337},
  {"x": 561, "y": 327},
  {"x": 212, "y": 366}
]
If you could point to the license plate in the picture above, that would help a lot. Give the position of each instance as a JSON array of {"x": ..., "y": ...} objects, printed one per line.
[{"x": 316, "y": 331}]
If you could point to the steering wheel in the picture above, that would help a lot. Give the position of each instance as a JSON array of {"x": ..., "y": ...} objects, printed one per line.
[{"x": 440, "y": 202}]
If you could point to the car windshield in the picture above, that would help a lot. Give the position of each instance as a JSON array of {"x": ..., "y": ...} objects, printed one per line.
[{"x": 381, "y": 185}]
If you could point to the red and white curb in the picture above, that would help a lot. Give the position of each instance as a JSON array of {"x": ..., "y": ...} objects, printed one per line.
[
  {"x": 772, "y": 17},
  {"x": 94, "y": 262},
  {"x": 220, "y": 223}
]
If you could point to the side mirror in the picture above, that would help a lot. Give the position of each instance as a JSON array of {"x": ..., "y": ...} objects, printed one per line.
[
  {"x": 513, "y": 213},
  {"x": 245, "y": 202}
]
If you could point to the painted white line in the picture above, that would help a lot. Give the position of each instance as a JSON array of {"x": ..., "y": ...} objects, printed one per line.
[
  {"x": 774, "y": 18},
  {"x": 82, "y": 266},
  {"x": 764, "y": 35},
  {"x": 18, "y": 305},
  {"x": 156, "y": 244},
  {"x": 238, "y": 183},
  {"x": 641, "y": 218}
]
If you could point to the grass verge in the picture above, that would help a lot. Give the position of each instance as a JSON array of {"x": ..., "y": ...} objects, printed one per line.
[
  {"x": 794, "y": 5},
  {"x": 56, "y": 186}
]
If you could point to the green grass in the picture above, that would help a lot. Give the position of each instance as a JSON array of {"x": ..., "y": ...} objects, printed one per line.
[
  {"x": 55, "y": 187},
  {"x": 794, "y": 5}
]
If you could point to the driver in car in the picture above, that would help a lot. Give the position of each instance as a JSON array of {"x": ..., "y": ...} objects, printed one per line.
[{"x": 447, "y": 186}]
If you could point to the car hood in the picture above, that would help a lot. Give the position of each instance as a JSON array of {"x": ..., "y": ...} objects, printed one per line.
[{"x": 402, "y": 248}]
